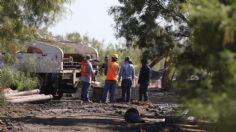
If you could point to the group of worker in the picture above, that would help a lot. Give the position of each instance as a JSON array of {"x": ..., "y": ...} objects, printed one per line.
[{"x": 115, "y": 73}]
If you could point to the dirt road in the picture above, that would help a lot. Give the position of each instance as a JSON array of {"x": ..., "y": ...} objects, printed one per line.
[{"x": 69, "y": 114}]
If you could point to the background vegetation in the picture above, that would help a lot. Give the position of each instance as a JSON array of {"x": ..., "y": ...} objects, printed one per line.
[
  {"x": 20, "y": 21},
  {"x": 210, "y": 55},
  {"x": 193, "y": 39},
  {"x": 17, "y": 80},
  {"x": 204, "y": 33}
]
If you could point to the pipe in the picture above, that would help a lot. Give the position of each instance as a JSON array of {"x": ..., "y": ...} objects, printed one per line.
[
  {"x": 25, "y": 96},
  {"x": 30, "y": 98},
  {"x": 30, "y": 92}
]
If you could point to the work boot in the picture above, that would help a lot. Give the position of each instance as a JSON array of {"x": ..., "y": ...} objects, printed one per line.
[
  {"x": 87, "y": 101},
  {"x": 120, "y": 100}
]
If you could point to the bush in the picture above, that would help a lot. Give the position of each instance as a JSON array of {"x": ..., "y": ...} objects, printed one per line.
[
  {"x": 9, "y": 58},
  {"x": 29, "y": 66},
  {"x": 211, "y": 56},
  {"x": 17, "y": 79}
]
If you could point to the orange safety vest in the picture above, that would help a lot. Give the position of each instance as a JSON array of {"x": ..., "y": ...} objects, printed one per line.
[
  {"x": 84, "y": 71},
  {"x": 112, "y": 72}
]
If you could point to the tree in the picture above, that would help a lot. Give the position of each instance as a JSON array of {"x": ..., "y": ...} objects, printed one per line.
[
  {"x": 74, "y": 37},
  {"x": 155, "y": 26},
  {"x": 20, "y": 19},
  {"x": 210, "y": 58}
]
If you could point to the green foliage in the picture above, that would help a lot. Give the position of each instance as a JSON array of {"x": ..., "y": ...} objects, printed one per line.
[
  {"x": 210, "y": 56},
  {"x": 97, "y": 44},
  {"x": 9, "y": 58},
  {"x": 74, "y": 37},
  {"x": 154, "y": 26},
  {"x": 100, "y": 78},
  {"x": 137, "y": 21},
  {"x": 67, "y": 49},
  {"x": 20, "y": 19},
  {"x": 85, "y": 40},
  {"x": 28, "y": 66},
  {"x": 110, "y": 49},
  {"x": 17, "y": 79},
  {"x": 133, "y": 53}
]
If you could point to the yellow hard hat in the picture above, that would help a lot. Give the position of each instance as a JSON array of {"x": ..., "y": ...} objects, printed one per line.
[{"x": 115, "y": 56}]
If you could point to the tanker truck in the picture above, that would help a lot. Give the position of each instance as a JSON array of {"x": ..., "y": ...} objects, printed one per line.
[{"x": 58, "y": 72}]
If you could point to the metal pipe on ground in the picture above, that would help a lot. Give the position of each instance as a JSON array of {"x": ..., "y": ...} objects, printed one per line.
[
  {"x": 25, "y": 96},
  {"x": 30, "y": 98},
  {"x": 30, "y": 92}
]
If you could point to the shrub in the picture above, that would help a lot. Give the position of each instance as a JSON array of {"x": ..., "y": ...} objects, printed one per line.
[
  {"x": 17, "y": 79},
  {"x": 9, "y": 58}
]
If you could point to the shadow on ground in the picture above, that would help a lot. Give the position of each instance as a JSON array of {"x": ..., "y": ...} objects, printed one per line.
[{"x": 107, "y": 124}]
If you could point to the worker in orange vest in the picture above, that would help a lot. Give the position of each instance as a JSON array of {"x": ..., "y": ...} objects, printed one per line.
[
  {"x": 111, "y": 79},
  {"x": 86, "y": 78}
]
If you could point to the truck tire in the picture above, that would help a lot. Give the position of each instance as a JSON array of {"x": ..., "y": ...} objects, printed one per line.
[{"x": 58, "y": 95}]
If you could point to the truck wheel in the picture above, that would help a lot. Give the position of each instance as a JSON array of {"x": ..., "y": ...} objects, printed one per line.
[{"x": 58, "y": 95}]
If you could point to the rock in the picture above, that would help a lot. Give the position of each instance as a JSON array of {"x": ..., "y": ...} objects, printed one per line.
[
  {"x": 9, "y": 127},
  {"x": 119, "y": 112},
  {"x": 132, "y": 116},
  {"x": 1, "y": 122},
  {"x": 158, "y": 114}
]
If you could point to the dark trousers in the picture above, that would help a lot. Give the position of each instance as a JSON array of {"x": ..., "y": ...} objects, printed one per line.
[
  {"x": 126, "y": 89},
  {"x": 110, "y": 86},
  {"x": 85, "y": 91},
  {"x": 143, "y": 92}
]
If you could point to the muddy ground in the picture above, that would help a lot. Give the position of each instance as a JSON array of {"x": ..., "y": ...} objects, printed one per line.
[{"x": 71, "y": 114}]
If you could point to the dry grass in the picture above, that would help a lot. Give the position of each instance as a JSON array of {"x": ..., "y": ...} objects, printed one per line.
[{"x": 2, "y": 102}]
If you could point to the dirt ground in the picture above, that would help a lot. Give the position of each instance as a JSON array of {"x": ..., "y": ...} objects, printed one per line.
[{"x": 71, "y": 114}]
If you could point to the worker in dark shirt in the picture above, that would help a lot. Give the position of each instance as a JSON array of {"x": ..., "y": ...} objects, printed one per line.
[
  {"x": 143, "y": 80},
  {"x": 105, "y": 65}
]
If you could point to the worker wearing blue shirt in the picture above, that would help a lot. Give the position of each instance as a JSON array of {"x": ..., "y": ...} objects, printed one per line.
[{"x": 127, "y": 75}]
